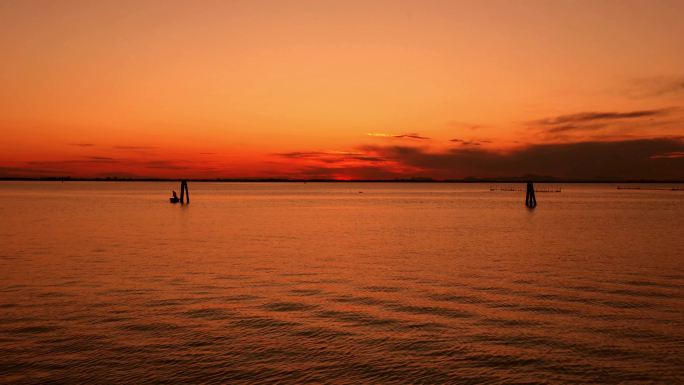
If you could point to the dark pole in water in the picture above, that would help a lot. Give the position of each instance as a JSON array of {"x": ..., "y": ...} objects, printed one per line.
[
  {"x": 184, "y": 192},
  {"x": 530, "y": 199},
  {"x": 187, "y": 191}
]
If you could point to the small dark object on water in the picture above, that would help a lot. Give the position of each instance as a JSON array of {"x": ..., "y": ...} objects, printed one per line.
[
  {"x": 185, "y": 194},
  {"x": 530, "y": 199},
  {"x": 174, "y": 198}
]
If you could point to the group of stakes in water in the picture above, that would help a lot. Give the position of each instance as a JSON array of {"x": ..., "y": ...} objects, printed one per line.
[
  {"x": 185, "y": 194},
  {"x": 530, "y": 199}
]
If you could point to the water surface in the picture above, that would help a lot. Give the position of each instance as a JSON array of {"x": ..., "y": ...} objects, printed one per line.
[{"x": 339, "y": 283}]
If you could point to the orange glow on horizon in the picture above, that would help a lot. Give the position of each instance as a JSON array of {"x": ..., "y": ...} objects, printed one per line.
[{"x": 327, "y": 89}]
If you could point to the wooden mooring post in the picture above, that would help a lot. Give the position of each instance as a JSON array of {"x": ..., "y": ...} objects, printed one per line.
[
  {"x": 185, "y": 193},
  {"x": 530, "y": 199}
]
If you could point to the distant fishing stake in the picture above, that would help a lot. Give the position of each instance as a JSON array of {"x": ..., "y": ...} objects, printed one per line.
[{"x": 530, "y": 199}]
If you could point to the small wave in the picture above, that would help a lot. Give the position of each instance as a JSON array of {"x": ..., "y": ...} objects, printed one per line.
[
  {"x": 38, "y": 329},
  {"x": 287, "y": 306},
  {"x": 208, "y": 313}
]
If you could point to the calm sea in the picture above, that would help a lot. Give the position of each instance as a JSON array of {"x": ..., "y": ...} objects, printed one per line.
[{"x": 339, "y": 283}]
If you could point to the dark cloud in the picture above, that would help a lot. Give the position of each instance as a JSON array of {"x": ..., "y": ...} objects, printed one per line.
[
  {"x": 656, "y": 158},
  {"x": 669, "y": 155},
  {"x": 641, "y": 158},
  {"x": 82, "y": 144}
]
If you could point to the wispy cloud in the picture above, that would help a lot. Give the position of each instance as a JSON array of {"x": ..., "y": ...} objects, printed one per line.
[
  {"x": 22, "y": 171},
  {"x": 82, "y": 144},
  {"x": 330, "y": 156},
  {"x": 72, "y": 163},
  {"x": 583, "y": 122},
  {"x": 100, "y": 166},
  {"x": 656, "y": 86},
  {"x": 467, "y": 125},
  {"x": 101, "y": 158},
  {"x": 471, "y": 142},
  {"x": 585, "y": 117},
  {"x": 398, "y": 136},
  {"x": 166, "y": 165},
  {"x": 134, "y": 148}
]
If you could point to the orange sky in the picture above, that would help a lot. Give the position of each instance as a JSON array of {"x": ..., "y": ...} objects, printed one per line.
[{"x": 341, "y": 89}]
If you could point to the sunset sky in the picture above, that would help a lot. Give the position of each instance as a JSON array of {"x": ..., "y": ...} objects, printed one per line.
[{"x": 342, "y": 89}]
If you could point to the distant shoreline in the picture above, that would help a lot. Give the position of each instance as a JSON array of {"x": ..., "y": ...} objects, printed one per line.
[{"x": 278, "y": 180}]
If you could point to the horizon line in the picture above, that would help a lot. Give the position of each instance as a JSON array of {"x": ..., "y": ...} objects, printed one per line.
[{"x": 323, "y": 180}]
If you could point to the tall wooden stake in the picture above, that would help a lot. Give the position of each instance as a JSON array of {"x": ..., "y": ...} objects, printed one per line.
[
  {"x": 530, "y": 199},
  {"x": 185, "y": 193}
]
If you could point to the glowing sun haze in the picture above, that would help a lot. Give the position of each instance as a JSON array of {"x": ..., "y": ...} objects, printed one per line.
[{"x": 342, "y": 89}]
